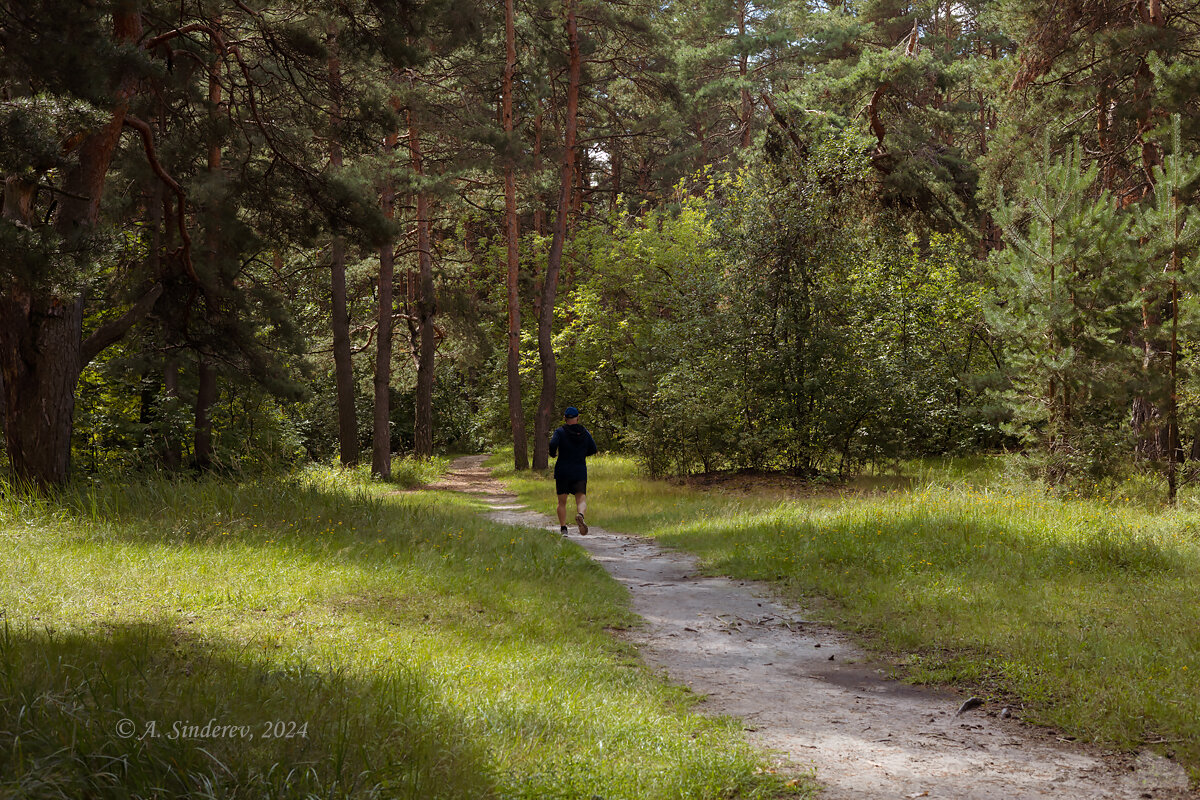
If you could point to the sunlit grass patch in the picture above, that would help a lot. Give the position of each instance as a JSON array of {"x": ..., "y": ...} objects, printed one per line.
[
  {"x": 1081, "y": 609},
  {"x": 429, "y": 653}
]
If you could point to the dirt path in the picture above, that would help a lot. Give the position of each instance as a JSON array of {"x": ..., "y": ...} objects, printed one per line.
[{"x": 806, "y": 692}]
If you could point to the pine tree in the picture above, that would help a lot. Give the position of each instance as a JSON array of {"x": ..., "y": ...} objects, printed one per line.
[
  {"x": 1067, "y": 298},
  {"x": 1168, "y": 233}
]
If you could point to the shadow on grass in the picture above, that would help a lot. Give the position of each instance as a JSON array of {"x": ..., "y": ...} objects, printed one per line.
[
  {"x": 137, "y": 710},
  {"x": 531, "y": 703},
  {"x": 333, "y": 525}
]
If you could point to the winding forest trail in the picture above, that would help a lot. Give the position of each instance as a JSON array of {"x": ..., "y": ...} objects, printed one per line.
[{"x": 808, "y": 694}]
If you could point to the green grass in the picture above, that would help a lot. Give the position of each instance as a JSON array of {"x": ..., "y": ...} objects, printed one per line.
[
  {"x": 410, "y": 473},
  {"x": 1084, "y": 611},
  {"x": 410, "y": 649}
]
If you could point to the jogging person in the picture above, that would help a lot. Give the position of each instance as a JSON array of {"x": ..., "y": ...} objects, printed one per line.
[{"x": 572, "y": 444}]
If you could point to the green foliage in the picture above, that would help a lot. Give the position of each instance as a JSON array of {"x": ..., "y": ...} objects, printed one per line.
[
  {"x": 1068, "y": 296},
  {"x": 916, "y": 326},
  {"x": 732, "y": 333},
  {"x": 1168, "y": 235},
  {"x": 126, "y": 421},
  {"x": 1093, "y": 304}
]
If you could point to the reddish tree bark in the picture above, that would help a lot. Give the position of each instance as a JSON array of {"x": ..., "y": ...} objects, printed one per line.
[
  {"x": 516, "y": 413},
  {"x": 39, "y": 347},
  {"x": 548, "y": 398}
]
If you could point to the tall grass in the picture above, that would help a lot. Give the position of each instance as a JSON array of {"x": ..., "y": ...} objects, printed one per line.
[
  {"x": 409, "y": 649},
  {"x": 1083, "y": 611}
]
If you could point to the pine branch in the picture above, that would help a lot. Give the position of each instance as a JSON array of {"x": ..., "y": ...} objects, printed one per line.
[
  {"x": 148, "y": 145},
  {"x": 169, "y": 35},
  {"x": 111, "y": 332}
]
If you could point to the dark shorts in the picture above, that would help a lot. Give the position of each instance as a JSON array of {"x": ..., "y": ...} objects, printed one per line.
[{"x": 568, "y": 486}]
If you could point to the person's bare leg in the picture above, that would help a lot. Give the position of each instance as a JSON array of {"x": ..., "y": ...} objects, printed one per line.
[
  {"x": 580, "y": 507},
  {"x": 562, "y": 510}
]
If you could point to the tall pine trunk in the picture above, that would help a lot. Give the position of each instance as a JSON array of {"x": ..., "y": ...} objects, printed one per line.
[
  {"x": 381, "y": 436},
  {"x": 206, "y": 394},
  {"x": 548, "y": 398},
  {"x": 343, "y": 364},
  {"x": 172, "y": 441},
  {"x": 516, "y": 413},
  {"x": 426, "y": 305}
]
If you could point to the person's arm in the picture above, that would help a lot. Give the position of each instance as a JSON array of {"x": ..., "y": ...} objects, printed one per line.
[
  {"x": 554, "y": 442},
  {"x": 591, "y": 446}
]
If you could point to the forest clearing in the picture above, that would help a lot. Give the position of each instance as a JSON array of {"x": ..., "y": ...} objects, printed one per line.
[{"x": 881, "y": 313}]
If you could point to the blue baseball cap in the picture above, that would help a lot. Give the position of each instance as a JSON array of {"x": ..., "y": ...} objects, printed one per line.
[{"x": 571, "y": 411}]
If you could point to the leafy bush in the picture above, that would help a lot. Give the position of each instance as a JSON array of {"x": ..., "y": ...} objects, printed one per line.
[{"x": 760, "y": 325}]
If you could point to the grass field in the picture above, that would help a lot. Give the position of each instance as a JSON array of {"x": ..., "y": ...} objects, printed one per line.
[
  {"x": 1084, "y": 612},
  {"x": 318, "y": 635}
]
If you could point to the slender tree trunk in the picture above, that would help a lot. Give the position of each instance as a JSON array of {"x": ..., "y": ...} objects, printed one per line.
[
  {"x": 381, "y": 448},
  {"x": 206, "y": 394},
  {"x": 343, "y": 362},
  {"x": 426, "y": 305},
  {"x": 1151, "y": 158},
  {"x": 1158, "y": 440},
  {"x": 516, "y": 412},
  {"x": 548, "y": 398},
  {"x": 172, "y": 434},
  {"x": 1057, "y": 421},
  {"x": 1173, "y": 448},
  {"x": 539, "y": 214},
  {"x": 152, "y": 395},
  {"x": 39, "y": 391}
]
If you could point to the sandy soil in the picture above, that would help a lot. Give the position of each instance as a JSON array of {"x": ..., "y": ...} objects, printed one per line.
[{"x": 810, "y": 696}]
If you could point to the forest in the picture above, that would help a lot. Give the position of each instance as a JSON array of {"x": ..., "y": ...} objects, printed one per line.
[
  {"x": 883, "y": 316},
  {"x": 740, "y": 235}
]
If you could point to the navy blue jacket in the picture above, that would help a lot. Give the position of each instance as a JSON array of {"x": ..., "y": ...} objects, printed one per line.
[{"x": 572, "y": 444}]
